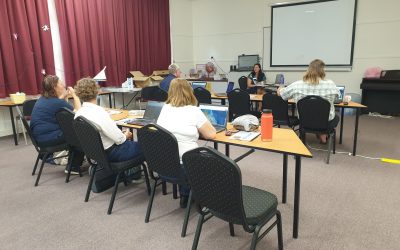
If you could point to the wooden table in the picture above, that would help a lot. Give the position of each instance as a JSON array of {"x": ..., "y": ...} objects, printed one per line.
[
  {"x": 285, "y": 142},
  {"x": 10, "y": 104},
  {"x": 342, "y": 106}
]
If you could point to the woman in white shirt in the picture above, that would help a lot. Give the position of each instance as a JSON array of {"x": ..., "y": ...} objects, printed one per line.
[
  {"x": 181, "y": 116},
  {"x": 116, "y": 143}
]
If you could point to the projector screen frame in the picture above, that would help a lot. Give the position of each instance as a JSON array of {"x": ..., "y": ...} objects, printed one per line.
[{"x": 305, "y": 3}]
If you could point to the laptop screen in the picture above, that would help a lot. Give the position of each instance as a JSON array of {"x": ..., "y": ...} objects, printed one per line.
[
  {"x": 199, "y": 84},
  {"x": 341, "y": 92},
  {"x": 217, "y": 115},
  {"x": 153, "y": 110}
]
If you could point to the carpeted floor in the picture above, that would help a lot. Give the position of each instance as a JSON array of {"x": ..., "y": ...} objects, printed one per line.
[{"x": 353, "y": 203}]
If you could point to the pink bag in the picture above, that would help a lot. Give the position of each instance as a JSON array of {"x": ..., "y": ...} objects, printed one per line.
[{"x": 373, "y": 72}]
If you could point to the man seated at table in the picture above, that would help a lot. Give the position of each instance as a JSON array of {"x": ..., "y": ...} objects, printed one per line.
[
  {"x": 174, "y": 72},
  {"x": 117, "y": 144},
  {"x": 210, "y": 72}
]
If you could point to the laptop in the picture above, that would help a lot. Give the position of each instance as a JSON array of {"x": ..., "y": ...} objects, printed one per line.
[
  {"x": 153, "y": 110},
  {"x": 217, "y": 115},
  {"x": 199, "y": 84},
  {"x": 339, "y": 98},
  {"x": 228, "y": 89}
]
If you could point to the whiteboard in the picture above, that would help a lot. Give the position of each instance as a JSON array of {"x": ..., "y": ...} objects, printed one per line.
[{"x": 302, "y": 32}]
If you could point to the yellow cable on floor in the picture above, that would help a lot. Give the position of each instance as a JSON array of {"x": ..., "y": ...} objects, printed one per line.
[{"x": 390, "y": 160}]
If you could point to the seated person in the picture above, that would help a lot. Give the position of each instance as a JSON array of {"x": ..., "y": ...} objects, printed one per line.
[
  {"x": 314, "y": 83},
  {"x": 174, "y": 72},
  {"x": 116, "y": 143},
  {"x": 181, "y": 116},
  {"x": 210, "y": 72},
  {"x": 44, "y": 125},
  {"x": 256, "y": 76}
]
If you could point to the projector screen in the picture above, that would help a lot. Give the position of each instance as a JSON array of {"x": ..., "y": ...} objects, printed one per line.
[{"x": 302, "y": 32}]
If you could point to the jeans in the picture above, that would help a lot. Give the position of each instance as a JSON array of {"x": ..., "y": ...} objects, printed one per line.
[
  {"x": 184, "y": 190},
  {"x": 125, "y": 152}
]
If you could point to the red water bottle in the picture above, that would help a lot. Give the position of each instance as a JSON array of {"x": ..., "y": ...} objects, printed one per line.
[{"x": 267, "y": 121}]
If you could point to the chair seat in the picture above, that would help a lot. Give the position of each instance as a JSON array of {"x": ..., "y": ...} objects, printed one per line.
[
  {"x": 53, "y": 149},
  {"x": 259, "y": 205},
  {"x": 124, "y": 165}
]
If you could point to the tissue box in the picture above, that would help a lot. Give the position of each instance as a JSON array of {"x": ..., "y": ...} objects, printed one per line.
[{"x": 18, "y": 98}]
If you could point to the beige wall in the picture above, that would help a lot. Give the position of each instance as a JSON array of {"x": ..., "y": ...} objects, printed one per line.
[{"x": 227, "y": 28}]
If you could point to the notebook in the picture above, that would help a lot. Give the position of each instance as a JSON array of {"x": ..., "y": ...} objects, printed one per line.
[
  {"x": 228, "y": 89},
  {"x": 217, "y": 115},
  {"x": 339, "y": 98},
  {"x": 199, "y": 84},
  {"x": 153, "y": 110}
]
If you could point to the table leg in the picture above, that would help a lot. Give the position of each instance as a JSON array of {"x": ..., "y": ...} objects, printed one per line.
[
  {"x": 341, "y": 124},
  {"x": 123, "y": 101},
  {"x": 223, "y": 102},
  {"x": 284, "y": 179},
  {"x": 296, "y": 198},
  {"x": 227, "y": 150},
  {"x": 356, "y": 132},
  {"x": 109, "y": 100},
  {"x": 114, "y": 99},
  {"x": 216, "y": 145},
  {"x": 13, "y": 126}
]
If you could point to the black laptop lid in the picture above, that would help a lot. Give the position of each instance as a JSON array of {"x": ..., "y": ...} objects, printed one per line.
[{"x": 153, "y": 110}]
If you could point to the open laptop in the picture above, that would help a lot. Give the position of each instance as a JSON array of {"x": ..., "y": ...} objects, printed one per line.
[
  {"x": 228, "y": 89},
  {"x": 153, "y": 110},
  {"x": 217, "y": 115},
  {"x": 199, "y": 84},
  {"x": 339, "y": 98}
]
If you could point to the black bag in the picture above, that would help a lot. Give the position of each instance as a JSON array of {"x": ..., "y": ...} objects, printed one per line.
[{"x": 103, "y": 179}]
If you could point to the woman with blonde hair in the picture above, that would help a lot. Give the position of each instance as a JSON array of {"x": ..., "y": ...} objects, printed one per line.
[
  {"x": 181, "y": 116},
  {"x": 314, "y": 83}
]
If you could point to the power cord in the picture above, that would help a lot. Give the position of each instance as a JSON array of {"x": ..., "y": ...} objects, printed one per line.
[{"x": 342, "y": 152}]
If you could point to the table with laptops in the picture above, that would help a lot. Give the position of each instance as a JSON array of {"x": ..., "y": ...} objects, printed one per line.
[{"x": 285, "y": 142}]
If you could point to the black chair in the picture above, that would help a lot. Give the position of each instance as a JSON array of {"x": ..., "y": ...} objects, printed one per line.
[
  {"x": 92, "y": 145},
  {"x": 65, "y": 118},
  {"x": 239, "y": 104},
  {"x": 160, "y": 149},
  {"x": 217, "y": 188},
  {"x": 279, "y": 109},
  {"x": 314, "y": 118},
  {"x": 159, "y": 95},
  {"x": 202, "y": 95},
  {"x": 27, "y": 108},
  {"x": 44, "y": 153},
  {"x": 243, "y": 83}
]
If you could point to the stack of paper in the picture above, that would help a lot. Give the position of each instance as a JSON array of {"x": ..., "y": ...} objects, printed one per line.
[{"x": 244, "y": 136}]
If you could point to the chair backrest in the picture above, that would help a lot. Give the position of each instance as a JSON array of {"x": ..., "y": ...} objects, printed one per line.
[
  {"x": 90, "y": 141},
  {"x": 243, "y": 82},
  {"x": 147, "y": 93},
  {"x": 202, "y": 95},
  {"x": 216, "y": 183},
  {"x": 160, "y": 149},
  {"x": 278, "y": 106},
  {"x": 313, "y": 113},
  {"x": 28, "y": 130},
  {"x": 159, "y": 95},
  {"x": 65, "y": 118},
  {"x": 239, "y": 103},
  {"x": 27, "y": 108}
]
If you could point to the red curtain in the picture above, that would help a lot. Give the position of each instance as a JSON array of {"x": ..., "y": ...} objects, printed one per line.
[
  {"x": 123, "y": 35},
  {"x": 25, "y": 45}
]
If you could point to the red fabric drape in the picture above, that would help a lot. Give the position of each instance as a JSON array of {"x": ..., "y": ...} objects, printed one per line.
[
  {"x": 25, "y": 47},
  {"x": 123, "y": 35}
]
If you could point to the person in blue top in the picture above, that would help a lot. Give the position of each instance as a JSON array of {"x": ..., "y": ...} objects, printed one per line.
[
  {"x": 174, "y": 72},
  {"x": 255, "y": 77},
  {"x": 44, "y": 126}
]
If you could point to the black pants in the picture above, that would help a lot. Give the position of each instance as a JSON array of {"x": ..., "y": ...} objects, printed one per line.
[{"x": 78, "y": 155}]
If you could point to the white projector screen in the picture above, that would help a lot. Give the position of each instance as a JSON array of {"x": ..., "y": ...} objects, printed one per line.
[{"x": 302, "y": 32}]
